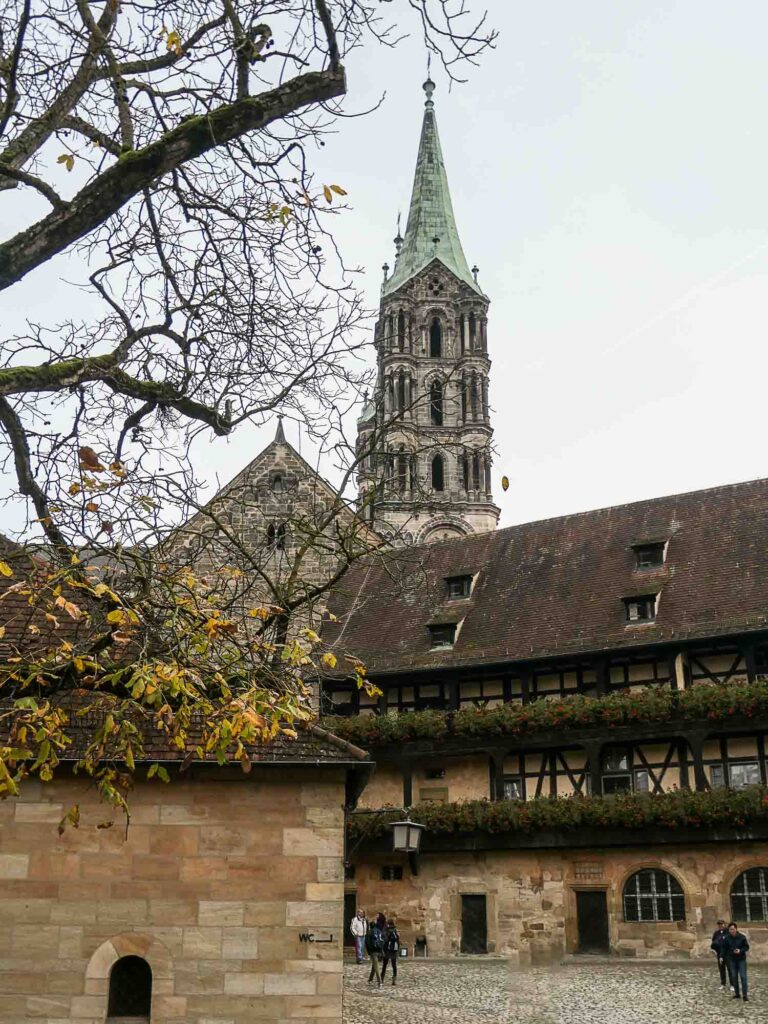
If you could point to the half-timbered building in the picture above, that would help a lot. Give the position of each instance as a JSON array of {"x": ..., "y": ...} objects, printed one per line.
[{"x": 614, "y": 656}]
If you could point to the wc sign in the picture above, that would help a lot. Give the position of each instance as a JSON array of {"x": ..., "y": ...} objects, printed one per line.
[{"x": 311, "y": 937}]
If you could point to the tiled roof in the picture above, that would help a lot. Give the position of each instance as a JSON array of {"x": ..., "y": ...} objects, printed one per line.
[
  {"x": 555, "y": 587},
  {"x": 312, "y": 744}
]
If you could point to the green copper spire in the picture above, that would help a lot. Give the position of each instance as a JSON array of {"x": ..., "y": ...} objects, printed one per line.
[{"x": 431, "y": 230}]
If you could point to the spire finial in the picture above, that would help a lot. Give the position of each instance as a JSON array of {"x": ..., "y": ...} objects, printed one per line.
[
  {"x": 398, "y": 239},
  {"x": 429, "y": 85},
  {"x": 475, "y": 272},
  {"x": 280, "y": 433}
]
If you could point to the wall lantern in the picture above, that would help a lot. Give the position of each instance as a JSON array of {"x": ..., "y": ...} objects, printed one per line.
[{"x": 406, "y": 836}]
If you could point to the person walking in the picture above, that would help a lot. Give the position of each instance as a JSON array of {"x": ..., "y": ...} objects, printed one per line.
[
  {"x": 736, "y": 947},
  {"x": 391, "y": 950},
  {"x": 717, "y": 946},
  {"x": 359, "y": 928},
  {"x": 374, "y": 945}
]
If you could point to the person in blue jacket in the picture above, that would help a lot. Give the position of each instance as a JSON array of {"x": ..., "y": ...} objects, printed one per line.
[
  {"x": 718, "y": 938},
  {"x": 736, "y": 947}
]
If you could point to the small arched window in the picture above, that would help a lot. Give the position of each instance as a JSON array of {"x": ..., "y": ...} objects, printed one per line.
[
  {"x": 401, "y": 392},
  {"x": 438, "y": 473},
  {"x": 472, "y": 332},
  {"x": 402, "y": 470},
  {"x": 749, "y": 895},
  {"x": 435, "y": 339},
  {"x": 401, "y": 331},
  {"x": 436, "y": 403},
  {"x": 276, "y": 536},
  {"x": 653, "y": 895},
  {"x": 277, "y": 483},
  {"x": 130, "y": 989}
]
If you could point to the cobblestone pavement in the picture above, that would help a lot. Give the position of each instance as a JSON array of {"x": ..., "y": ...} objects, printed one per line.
[{"x": 478, "y": 991}]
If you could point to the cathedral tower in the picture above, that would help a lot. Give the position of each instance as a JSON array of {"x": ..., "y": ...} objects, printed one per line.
[{"x": 428, "y": 472}]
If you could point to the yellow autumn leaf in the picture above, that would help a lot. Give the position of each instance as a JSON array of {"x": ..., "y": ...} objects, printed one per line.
[
  {"x": 328, "y": 194},
  {"x": 173, "y": 42},
  {"x": 5, "y": 569},
  {"x": 329, "y": 660},
  {"x": 338, "y": 190},
  {"x": 67, "y": 159},
  {"x": 69, "y": 607},
  {"x": 2, "y": 632},
  {"x": 74, "y": 489},
  {"x": 505, "y": 483}
]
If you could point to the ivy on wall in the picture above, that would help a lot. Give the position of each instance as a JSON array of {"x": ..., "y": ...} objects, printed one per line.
[{"x": 651, "y": 704}]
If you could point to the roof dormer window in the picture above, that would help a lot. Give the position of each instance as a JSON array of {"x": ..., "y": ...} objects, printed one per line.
[
  {"x": 442, "y": 637},
  {"x": 458, "y": 587},
  {"x": 649, "y": 556},
  {"x": 641, "y": 609}
]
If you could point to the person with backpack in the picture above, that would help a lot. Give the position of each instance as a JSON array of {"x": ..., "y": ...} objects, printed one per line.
[
  {"x": 391, "y": 950},
  {"x": 374, "y": 946}
]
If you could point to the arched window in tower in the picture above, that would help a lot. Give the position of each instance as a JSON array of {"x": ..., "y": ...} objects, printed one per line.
[
  {"x": 438, "y": 473},
  {"x": 476, "y": 472},
  {"x": 401, "y": 331},
  {"x": 460, "y": 332},
  {"x": 402, "y": 470},
  {"x": 435, "y": 339},
  {"x": 472, "y": 332},
  {"x": 401, "y": 392},
  {"x": 473, "y": 396},
  {"x": 464, "y": 470},
  {"x": 130, "y": 989},
  {"x": 388, "y": 340},
  {"x": 464, "y": 402},
  {"x": 436, "y": 403}
]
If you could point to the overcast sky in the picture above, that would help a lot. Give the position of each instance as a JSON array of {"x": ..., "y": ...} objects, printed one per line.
[{"x": 608, "y": 164}]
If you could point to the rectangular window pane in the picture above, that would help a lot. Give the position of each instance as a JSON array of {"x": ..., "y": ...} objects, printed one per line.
[
  {"x": 716, "y": 776},
  {"x": 617, "y": 784},
  {"x": 744, "y": 775},
  {"x": 512, "y": 788},
  {"x": 642, "y": 781},
  {"x": 739, "y": 907}
]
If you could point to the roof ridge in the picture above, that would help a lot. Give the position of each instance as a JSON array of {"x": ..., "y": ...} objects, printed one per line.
[{"x": 330, "y": 737}]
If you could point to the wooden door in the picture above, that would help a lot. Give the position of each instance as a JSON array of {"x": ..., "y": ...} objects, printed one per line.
[
  {"x": 474, "y": 925},
  {"x": 592, "y": 918}
]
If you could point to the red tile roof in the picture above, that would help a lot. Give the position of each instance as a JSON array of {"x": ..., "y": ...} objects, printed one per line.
[{"x": 555, "y": 587}]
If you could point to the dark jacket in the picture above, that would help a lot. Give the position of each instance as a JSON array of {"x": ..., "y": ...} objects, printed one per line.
[
  {"x": 718, "y": 938},
  {"x": 735, "y": 946},
  {"x": 391, "y": 942}
]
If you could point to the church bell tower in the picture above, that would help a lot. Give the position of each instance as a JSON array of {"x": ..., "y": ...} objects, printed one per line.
[{"x": 425, "y": 438}]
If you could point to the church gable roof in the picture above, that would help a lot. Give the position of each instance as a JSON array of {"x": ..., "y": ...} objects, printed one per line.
[
  {"x": 431, "y": 231},
  {"x": 557, "y": 587}
]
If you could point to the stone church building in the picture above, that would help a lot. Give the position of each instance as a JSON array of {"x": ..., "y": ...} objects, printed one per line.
[{"x": 576, "y": 709}]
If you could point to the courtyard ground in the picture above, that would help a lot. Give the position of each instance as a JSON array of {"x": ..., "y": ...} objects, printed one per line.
[{"x": 481, "y": 991}]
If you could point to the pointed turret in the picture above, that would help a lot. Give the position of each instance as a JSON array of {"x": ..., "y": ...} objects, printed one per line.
[
  {"x": 431, "y": 230},
  {"x": 280, "y": 433}
]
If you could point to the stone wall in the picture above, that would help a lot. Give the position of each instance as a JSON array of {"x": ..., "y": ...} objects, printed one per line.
[
  {"x": 213, "y": 885},
  {"x": 531, "y": 898}
]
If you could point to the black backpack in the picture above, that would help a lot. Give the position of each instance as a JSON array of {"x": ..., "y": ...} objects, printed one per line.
[{"x": 377, "y": 939}]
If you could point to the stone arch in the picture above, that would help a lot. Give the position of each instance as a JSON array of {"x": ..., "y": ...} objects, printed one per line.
[
  {"x": 453, "y": 525},
  {"x": 139, "y": 944}
]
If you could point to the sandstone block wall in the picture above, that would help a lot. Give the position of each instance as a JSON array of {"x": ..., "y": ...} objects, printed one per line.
[
  {"x": 531, "y": 898},
  {"x": 213, "y": 884}
]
